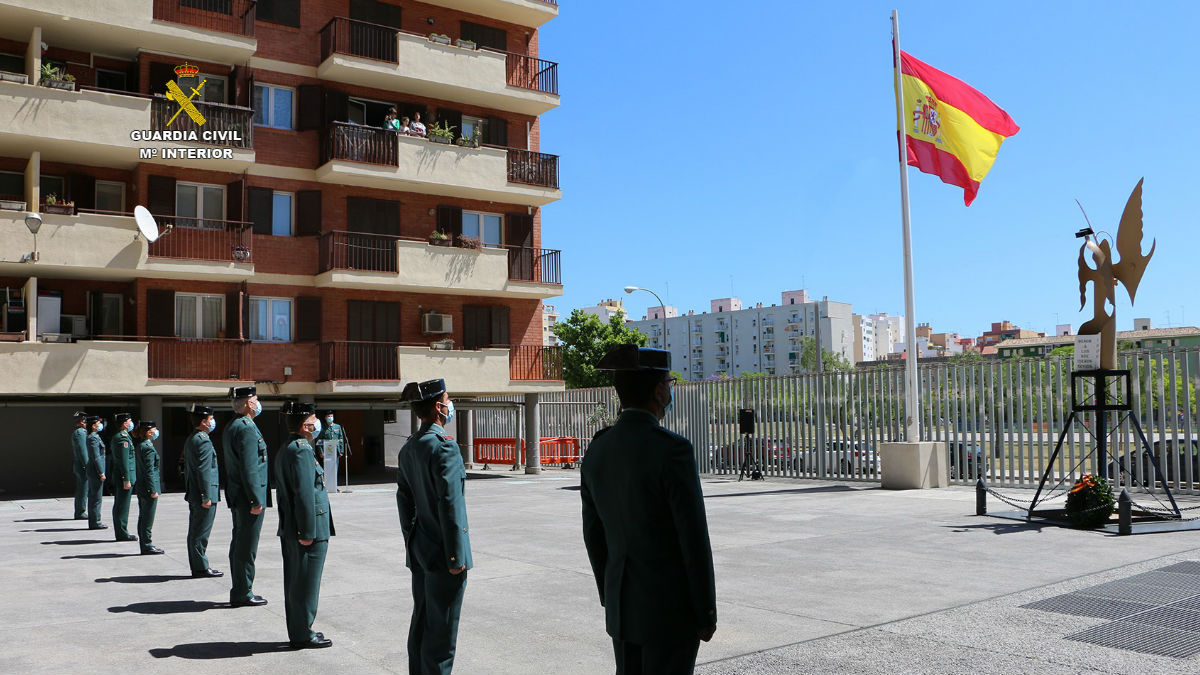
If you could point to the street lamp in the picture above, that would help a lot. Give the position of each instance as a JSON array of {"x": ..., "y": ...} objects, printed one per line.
[
  {"x": 661, "y": 306},
  {"x": 34, "y": 222}
]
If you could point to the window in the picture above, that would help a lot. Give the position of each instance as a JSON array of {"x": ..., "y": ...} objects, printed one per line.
[
  {"x": 282, "y": 214},
  {"x": 11, "y": 63},
  {"x": 367, "y": 112},
  {"x": 214, "y": 88},
  {"x": 12, "y": 184},
  {"x": 198, "y": 316},
  {"x": 483, "y": 226},
  {"x": 111, "y": 79},
  {"x": 273, "y": 106},
  {"x": 110, "y": 196},
  {"x": 203, "y": 203},
  {"x": 271, "y": 319},
  {"x": 286, "y": 12},
  {"x": 472, "y": 127},
  {"x": 53, "y": 185}
]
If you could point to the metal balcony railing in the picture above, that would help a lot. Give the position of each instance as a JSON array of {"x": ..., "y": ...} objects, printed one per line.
[
  {"x": 358, "y": 143},
  {"x": 358, "y": 38},
  {"x": 203, "y": 239},
  {"x": 539, "y": 265},
  {"x": 223, "y": 16},
  {"x": 535, "y": 362},
  {"x": 350, "y": 360},
  {"x": 176, "y": 358},
  {"x": 532, "y": 168},
  {"x": 358, "y": 251},
  {"x": 530, "y": 72},
  {"x": 228, "y": 126}
]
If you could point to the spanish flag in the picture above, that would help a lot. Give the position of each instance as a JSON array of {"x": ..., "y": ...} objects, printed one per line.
[{"x": 951, "y": 129}]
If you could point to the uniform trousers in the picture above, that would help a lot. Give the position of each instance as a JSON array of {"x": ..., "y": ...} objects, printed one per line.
[
  {"x": 656, "y": 659},
  {"x": 200, "y": 522},
  {"x": 433, "y": 631},
  {"x": 146, "y": 509},
  {"x": 81, "y": 491},
  {"x": 302, "y": 567},
  {"x": 120, "y": 512},
  {"x": 95, "y": 492},
  {"x": 243, "y": 547}
]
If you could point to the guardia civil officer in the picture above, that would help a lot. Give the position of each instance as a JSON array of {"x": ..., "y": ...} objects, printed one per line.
[
  {"x": 203, "y": 489},
  {"x": 79, "y": 462},
  {"x": 305, "y": 524},
  {"x": 246, "y": 492},
  {"x": 433, "y": 518},
  {"x": 644, "y": 524},
  {"x": 95, "y": 470},
  {"x": 147, "y": 485},
  {"x": 124, "y": 474},
  {"x": 334, "y": 436}
]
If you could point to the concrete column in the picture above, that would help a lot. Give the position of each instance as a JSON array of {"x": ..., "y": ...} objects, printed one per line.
[
  {"x": 33, "y": 55},
  {"x": 33, "y": 181},
  {"x": 466, "y": 437},
  {"x": 31, "y": 317},
  {"x": 533, "y": 459}
]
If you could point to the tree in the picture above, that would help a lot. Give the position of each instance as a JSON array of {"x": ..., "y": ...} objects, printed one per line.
[
  {"x": 586, "y": 340},
  {"x": 1063, "y": 352},
  {"x": 967, "y": 357},
  {"x": 830, "y": 359}
]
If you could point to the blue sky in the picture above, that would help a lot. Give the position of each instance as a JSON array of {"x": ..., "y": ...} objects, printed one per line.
[{"x": 752, "y": 148}]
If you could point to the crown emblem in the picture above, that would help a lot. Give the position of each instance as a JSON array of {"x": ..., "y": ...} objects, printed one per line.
[{"x": 186, "y": 70}]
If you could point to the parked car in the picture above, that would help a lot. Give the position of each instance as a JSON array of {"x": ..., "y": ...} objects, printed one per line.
[
  {"x": 1169, "y": 452},
  {"x": 771, "y": 453},
  {"x": 974, "y": 460},
  {"x": 843, "y": 458}
]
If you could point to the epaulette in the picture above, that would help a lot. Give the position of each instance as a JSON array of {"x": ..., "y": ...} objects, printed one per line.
[{"x": 202, "y": 433}]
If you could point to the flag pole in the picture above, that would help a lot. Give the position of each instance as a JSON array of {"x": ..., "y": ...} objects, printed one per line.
[{"x": 912, "y": 424}]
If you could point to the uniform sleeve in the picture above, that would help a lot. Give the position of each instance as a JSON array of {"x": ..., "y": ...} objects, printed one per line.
[
  {"x": 96, "y": 455},
  {"x": 301, "y": 473},
  {"x": 120, "y": 470},
  {"x": 593, "y": 536},
  {"x": 147, "y": 472},
  {"x": 79, "y": 447},
  {"x": 405, "y": 505},
  {"x": 448, "y": 477},
  {"x": 246, "y": 456},
  {"x": 211, "y": 485},
  {"x": 686, "y": 500}
]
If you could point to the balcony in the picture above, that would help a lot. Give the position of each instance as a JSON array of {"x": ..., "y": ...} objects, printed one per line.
[
  {"x": 378, "y": 158},
  {"x": 348, "y": 367},
  {"x": 381, "y": 57},
  {"x": 92, "y": 127},
  {"x": 381, "y": 262},
  {"x": 532, "y": 13},
  {"x": 204, "y": 30},
  {"x": 204, "y": 359},
  {"x": 84, "y": 367}
]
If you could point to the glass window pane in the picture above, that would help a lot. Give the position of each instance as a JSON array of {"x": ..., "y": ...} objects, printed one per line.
[
  {"x": 210, "y": 319},
  {"x": 281, "y": 108},
  {"x": 12, "y": 185},
  {"x": 258, "y": 319},
  {"x": 214, "y": 89},
  {"x": 491, "y": 230},
  {"x": 185, "y": 315},
  {"x": 52, "y": 185},
  {"x": 260, "y": 107},
  {"x": 281, "y": 214},
  {"x": 470, "y": 227},
  {"x": 214, "y": 204},
  {"x": 185, "y": 200},
  {"x": 281, "y": 325},
  {"x": 110, "y": 196}
]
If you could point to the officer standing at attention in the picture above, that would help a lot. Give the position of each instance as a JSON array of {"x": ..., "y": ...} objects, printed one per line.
[
  {"x": 125, "y": 474},
  {"x": 333, "y": 435},
  {"x": 430, "y": 482},
  {"x": 644, "y": 524},
  {"x": 203, "y": 489},
  {"x": 79, "y": 462},
  {"x": 147, "y": 486},
  {"x": 245, "y": 491},
  {"x": 95, "y": 471},
  {"x": 305, "y": 524}
]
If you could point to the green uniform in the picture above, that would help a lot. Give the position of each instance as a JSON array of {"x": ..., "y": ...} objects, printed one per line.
[
  {"x": 79, "y": 462},
  {"x": 95, "y": 469},
  {"x": 147, "y": 484},
  {"x": 303, "y": 514},
  {"x": 431, "y": 481},
  {"x": 202, "y": 484},
  {"x": 124, "y": 471},
  {"x": 647, "y": 538},
  {"x": 334, "y": 435},
  {"x": 245, "y": 487}
]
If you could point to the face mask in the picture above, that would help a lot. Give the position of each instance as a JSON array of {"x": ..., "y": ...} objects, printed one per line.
[
  {"x": 212, "y": 426},
  {"x": 329, "y": 420},
  {"x": 316, "y": 428},
  {"x": 449, "y": 411},
  {"x": 102, "y": 425},
  {"x": 255, "y": 408},
  {"x": 127, "y": 425},
  {"x": 153, "y": 435}
]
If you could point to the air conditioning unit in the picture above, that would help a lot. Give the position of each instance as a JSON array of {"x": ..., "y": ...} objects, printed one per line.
[
  {"x": 437, "y": 323},
  {"x": 74, "y": 324}
]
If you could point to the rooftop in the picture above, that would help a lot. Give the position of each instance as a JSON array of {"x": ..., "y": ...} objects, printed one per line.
[{"x": 1152, "y": 334}]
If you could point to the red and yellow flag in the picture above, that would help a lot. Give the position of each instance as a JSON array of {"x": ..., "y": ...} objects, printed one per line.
[{"x": 951, "y": 129}]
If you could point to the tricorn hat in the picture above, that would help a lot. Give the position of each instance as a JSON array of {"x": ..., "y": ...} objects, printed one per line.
[
  {"x": 80, "y": 415},
  {"x": 326, "y": 413},
  {"x": 297, "y": 408},
  {"x": 243, "y": 392},
  {"x": 423, "y": 391},
  {"x": 120, "y": 418},
  {"x": 92, "y": 419},
  {"x": 633, "y": 357},
  {"x": 147, "y": 424},
  {"x": 201, "y": 411}
]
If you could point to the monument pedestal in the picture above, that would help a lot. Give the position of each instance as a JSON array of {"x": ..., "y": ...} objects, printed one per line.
[{"x": 914, "y": 466}]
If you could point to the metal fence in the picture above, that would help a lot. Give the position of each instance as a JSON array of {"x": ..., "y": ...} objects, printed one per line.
[{"x": 1000, "y": 419}]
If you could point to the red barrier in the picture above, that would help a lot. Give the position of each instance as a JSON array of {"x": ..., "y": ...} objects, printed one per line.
[
  {"x": 559, "y": 450},
  {"x": 502, "y": 451}
]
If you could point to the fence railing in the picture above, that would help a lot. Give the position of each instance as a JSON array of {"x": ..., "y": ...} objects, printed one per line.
[
  {"x": 539, "y": 265},
  {"x": 203, "y": 239},
  {"x": 228, "y": 126},
  {"x": 358, "y": 143},
  {"x": 530, "y": 72},
  {"x": 535, "y": 362},
  {"x": 358, "y": 38},
  {"x": 348, "y": 360},
  {"x": 198, "y": 359},
  {"x": 223, "y": 16},
  {"x": 533, "y": 168},
  {"x": 358, "y": 251}
]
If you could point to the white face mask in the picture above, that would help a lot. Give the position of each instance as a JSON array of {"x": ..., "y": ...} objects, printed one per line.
[
  {"x": 212, "y": 426},
  {"x": 316, "y": 428},
  {"x": 329, "y": 420},
  {"x": 255, "y": 408},
  {"x": 153, "y": 435},
  {"x": 127, "y": 425}
]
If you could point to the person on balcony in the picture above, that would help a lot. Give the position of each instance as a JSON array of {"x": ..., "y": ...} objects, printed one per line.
[
  {"x": 95, "y": 470},
  {"x": 418, "y": 129},
  {"x": 147, "y": 486},
  {"x": 203, "y": 489},
  {"x": 390, "y": 121},
  {"x": 430, "y": 481},
  {"x": 644, "y": 524},
  {"x": 246, "y": 492},
  {"x": 125, "y": 472},
  {"x": 406, "y": 127},
  {"x": 79, "y": 463}
]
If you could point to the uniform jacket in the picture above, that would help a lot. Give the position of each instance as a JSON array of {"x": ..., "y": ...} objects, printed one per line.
[
  {"x": 201, "y": 479},
  {"x": 95, "y": 459},
  {"x": 646, "y": 532},
  {"x": 303, "y": 502},
  {"x": 335, "y": 435},
  {"x": 431, "y": 480},
  {"x": 245, "y": 464},
  {"x": 124, "y": 457},
  {"x": 148, "y": 481},
  {"x": 79, "y": 449}
]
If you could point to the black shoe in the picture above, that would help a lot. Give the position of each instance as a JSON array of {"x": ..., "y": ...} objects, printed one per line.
[
  {"x": 317, "y": 641},
  {"x": 210, "y": 572},
  {"x": 252, "y": 601},
  {"x": 127, "y": 537},
  {"x": 80, "y": 517},
  {"x": 101, "y": 526},
  {"x": 152, "y": 550}
]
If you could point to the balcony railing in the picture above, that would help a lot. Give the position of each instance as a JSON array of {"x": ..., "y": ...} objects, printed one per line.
[
  {"x": 357, "y": 143},
  {"x": 359, "y": 361},
  {"x": 203, "y": 239},
  {"x": 198, "y": 359},
  {"x": 229, "y": 126},
  {"x": 533, "y": 168},
  {"x": 358, "y": 251},
  {"x": 358, "y": 38},
  {"x": 222, "y": 16},
  {"x": 539, "y": 265},
  {"x": 530, "y": 72},
  {"x": 535, "y": 362}
]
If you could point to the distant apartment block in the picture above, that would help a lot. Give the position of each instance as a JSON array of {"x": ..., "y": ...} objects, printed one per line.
[
  {"x": 1004, "y": 330},
  {"x": 549, "y": 321},
  {"x": 605, "y": 309}
]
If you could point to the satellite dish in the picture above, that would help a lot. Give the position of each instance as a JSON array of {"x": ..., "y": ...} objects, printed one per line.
[{"x": 145, "y": 223}]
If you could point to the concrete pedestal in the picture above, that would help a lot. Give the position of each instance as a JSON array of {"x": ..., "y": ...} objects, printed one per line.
[{"x": 914, "y": 466}]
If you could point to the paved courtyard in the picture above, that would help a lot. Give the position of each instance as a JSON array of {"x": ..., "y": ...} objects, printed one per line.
[{"x": 811, "y": 577}]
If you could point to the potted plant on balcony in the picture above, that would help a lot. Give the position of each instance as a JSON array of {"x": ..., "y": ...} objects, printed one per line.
[
  {"x": 471, "y": 141},
  {"x": 241, "y": 253},
  {"x": 440, "y": 38},
  {"x": 439, "y": 238},
  {"x": 18, "y": 78},
  {"x": 55, "y": 79},
  {"x": 472, "y": 243},
  {"x": 465, "y": 44},
  {"x": 53, "y": 205},
  {"x": 11, "y": 205},
  {"x": 442, "y": 133}
]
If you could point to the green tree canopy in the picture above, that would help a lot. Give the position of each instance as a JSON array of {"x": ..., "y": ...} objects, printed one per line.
[
  {"x": 585, "y": 340},
  {"x": 831, "y": 360}
]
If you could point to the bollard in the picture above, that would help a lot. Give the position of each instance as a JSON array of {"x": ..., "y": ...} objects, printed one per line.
[
  {"x": 980, "y": 497},
  {"x": 1124, "y": 513}
]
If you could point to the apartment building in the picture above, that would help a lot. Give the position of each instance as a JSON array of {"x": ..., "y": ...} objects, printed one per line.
[
  {"x": 301, "y": 245},
  {"x": 730, "y": 339},
  {"x": 549, "y": 321}
]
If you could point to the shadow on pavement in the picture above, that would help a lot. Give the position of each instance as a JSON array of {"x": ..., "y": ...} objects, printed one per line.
[
  {"x": 789, "y": 491},
  {"x": 48, "y": 520},
  {"x": 60, "y": 529},
  {"x": 99, "y": 556},
  {"x": 1000, "y": 528},
  {"x": 220, "y": 650},
  {"x": 147, "y": 579},
  {"x": 77, "y": 542},
  {"x": 170, "y": 607}
]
